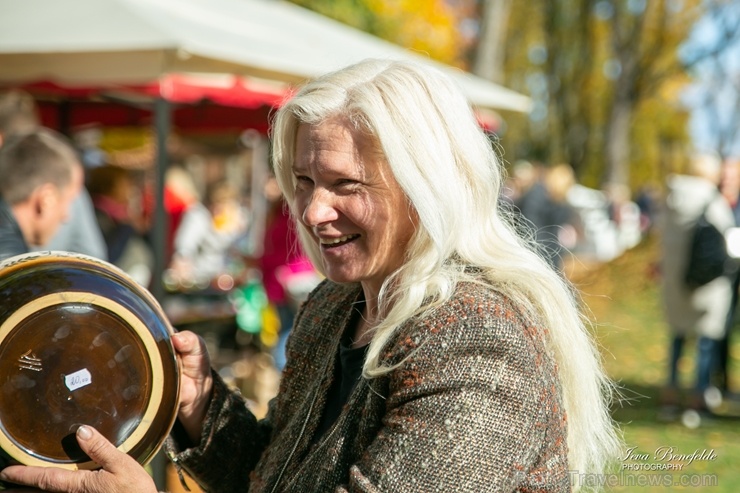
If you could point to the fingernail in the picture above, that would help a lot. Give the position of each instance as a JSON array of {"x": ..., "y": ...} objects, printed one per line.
[{"x": 84, "y": 433}]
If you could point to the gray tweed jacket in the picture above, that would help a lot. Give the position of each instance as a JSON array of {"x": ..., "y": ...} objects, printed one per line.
[{"x": 476, "y": 407}]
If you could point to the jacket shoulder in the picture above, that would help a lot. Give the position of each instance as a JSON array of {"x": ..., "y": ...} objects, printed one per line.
[{"x": 477, "y": 320}]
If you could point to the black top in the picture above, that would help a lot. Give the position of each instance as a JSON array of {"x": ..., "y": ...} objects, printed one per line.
[
  {"x": 11, "y": 238},
  {"x": 347, "y": 372}
]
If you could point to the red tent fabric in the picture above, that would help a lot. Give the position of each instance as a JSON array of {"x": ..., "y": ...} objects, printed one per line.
[
  {"x": 201, "y": 104},
  {"x": 202, "y": 118}
]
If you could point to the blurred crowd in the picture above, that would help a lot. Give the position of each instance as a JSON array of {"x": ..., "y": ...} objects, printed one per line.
[
  {"x": 223, "y": 254},
  {"x": 567, "y": 219},
  {"x": 570, "y": 221}
]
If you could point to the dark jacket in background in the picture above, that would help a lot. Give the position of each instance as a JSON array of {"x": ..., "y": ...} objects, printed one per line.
[
  {"x": 11, "y": 238},
  {"x": 545, "y": 218}
]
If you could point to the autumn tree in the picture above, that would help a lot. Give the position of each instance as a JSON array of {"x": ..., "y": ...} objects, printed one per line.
[
  {"x": 597, "y": 69},
  {"x": 431, "y": 27},
  {"x": 551, "y": 54},
  {"x": 645, "y": 37},
  {"x": 716, "y": 92}
]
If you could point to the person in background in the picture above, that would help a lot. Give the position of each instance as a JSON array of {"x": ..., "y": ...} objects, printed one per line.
[
  {"x": 441, "y": 353},
  {"x": 18, "y": 114},
  {"x": 523, "y": 176},
  {"x": 550, "y": 219},
  {"x": 729, "y": 186},
  {"x": 648, "y": 199},
  {"x": 205, "y": 235},
  {"x": 287, "y": 274},
  {"x": 111, "y": 188},
  {"x": 180, "y": 193},
  {"x": 41, "y": 176},
  {"x": 692, "y": 312},
  {"x": 80, "y": 234}
]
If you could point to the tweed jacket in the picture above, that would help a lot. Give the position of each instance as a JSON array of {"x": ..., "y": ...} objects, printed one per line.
[{"x": 474, "y": 407}]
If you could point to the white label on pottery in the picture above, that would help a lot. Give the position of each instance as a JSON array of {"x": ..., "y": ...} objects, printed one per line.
[{"x": 78, "y": 379}]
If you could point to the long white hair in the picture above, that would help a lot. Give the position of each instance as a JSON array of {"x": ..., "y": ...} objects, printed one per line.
[{"x": 452, "y": 177}]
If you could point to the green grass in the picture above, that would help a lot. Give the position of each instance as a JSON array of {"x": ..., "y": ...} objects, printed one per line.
[{"x": 623, "y": 298}]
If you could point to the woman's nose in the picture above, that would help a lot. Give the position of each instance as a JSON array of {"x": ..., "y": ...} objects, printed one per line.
[{"x": 320, "y": 208}]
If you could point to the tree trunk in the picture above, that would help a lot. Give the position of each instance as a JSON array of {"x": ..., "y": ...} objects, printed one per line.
[
  {"x": 617, "y": 144},
  {"x": 489, "y": 58}
]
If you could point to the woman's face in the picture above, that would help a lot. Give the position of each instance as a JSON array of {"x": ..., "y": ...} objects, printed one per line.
[{"x": 348, "y": 198}]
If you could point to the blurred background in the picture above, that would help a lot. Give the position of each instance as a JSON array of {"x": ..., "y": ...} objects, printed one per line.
[{"x": 593, "y": 105}]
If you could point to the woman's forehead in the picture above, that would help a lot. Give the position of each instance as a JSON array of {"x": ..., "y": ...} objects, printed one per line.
[{"x": 333, "y": 142}]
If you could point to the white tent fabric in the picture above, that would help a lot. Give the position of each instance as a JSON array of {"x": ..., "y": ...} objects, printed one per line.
[{"x": 130, "y": 41}]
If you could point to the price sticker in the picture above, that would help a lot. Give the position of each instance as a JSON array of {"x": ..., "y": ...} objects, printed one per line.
[{"x": 78, "y": 379}]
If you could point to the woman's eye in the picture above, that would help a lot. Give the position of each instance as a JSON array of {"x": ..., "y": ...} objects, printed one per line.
[
  {"x": 347, "y": 184},
  {"x": 302, "y": 182}
]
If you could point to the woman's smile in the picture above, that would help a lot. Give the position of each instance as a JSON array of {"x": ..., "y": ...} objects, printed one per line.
[{"x": 336, "y": 242}]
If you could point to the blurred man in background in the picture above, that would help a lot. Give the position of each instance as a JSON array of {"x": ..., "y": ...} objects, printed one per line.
[
  {"x": 41, "y": 176},
  {"x": 81, "y": 234}
]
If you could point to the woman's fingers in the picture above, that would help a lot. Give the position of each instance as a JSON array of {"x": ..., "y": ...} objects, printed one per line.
[
  {"x": 193, "y": 352},
  {"x": 43, "y": 478},
  {"x": 120, "y": 473},
  {"x": 103, "y": 452},
  {"x": 196, "y": 382},
  {"x": 185, "y": 342}
]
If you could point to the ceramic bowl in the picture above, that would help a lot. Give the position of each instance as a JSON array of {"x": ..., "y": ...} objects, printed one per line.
[{"x": 81, "y": 343}]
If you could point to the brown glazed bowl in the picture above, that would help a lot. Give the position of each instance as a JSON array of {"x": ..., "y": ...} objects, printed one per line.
[{"x": 81, "y": 343}]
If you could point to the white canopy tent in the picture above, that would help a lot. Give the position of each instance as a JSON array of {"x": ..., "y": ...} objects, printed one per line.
[
  {"x": 129, "y": 41},
  {"x": 87, "y": 42}
]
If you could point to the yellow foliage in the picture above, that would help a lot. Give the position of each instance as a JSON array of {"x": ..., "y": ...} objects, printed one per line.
[
  {"x": 658, "y": 129},
  {"x": 430, "y": 27}
]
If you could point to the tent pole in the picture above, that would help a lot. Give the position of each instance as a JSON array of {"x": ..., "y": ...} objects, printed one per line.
[{"x": 162, "y": 121}]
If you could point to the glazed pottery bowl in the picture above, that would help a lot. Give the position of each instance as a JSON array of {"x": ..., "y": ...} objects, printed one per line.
[{"x": 81, "y": 343}]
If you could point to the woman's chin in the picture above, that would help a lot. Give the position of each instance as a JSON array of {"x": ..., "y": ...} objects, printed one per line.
[{"x": 341, "y": 278}]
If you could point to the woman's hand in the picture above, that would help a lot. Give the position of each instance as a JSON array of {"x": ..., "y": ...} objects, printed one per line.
[
  {"x": 196, "y": 382},
  {"x": 119, "y": 474}
]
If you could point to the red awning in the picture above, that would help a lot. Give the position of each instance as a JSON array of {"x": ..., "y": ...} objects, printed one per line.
[{"x": 201, "y": 103}]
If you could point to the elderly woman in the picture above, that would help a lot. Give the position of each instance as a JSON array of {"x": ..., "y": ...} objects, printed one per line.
[{"x": 440, "y": 354}]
